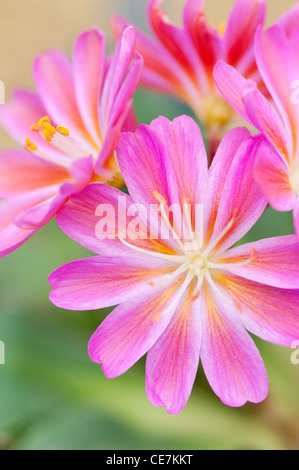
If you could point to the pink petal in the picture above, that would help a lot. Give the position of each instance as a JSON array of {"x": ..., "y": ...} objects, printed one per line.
[
  {"x": 12, "y": 237},
  {"x": 231, "y": 85},
  {"x": 100, "y": 281},
  {"x": 80, "y": 219},
  {"x": 173, "y": 39},
  {"x": 131, "y": 330},
  {"x": 273, "y": 53},
  {"x": 273, "y": 176},
  {"x": 17, "y": 118},
  {"x": 53, "y": 75},
  {"x": 21, "y": 171},
  {"x": 89, "y": 68},
  {"x": 266, "y": 119},
  {"x": 221, "y": 164},
  {"x": 267, "y": 312},
  {"x": 245, "y": 16},
  {"x": 172, "y": 362},
  {"x": 274, "y": 261},
  {"x": 206, "y": 39},
  {"x": 160, "y": 72},
  {"x": 230, "y": 359},
  {"x": 118, "y": 69},
  {"x": 185, "y": 149},
  {"x": 241, "y": 201},
  {"x": 289, "y": 21}
]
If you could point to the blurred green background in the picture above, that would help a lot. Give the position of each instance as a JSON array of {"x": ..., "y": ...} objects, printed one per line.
[{"x": 53, "y": 397}]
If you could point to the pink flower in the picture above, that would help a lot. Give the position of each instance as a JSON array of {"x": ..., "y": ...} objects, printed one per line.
[
  {"x": 181, "y": 61},
  {"x": 70, "y": 129},
  {"x": 278, "y": 60},
  {"x": 189, "y": 297}
]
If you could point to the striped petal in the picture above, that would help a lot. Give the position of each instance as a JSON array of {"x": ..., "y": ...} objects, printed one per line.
[
  {"x": 172, "y": 362},
  {"x": 21, "y": 171},
  {"x": 132, "y": 329},
  {"x": 100, "y": 282},
  {"x": 241, "y": 202},
  {"x": 274, "y": 261},
  {"x": 89, "y": 68},
  {"x": 230, "y": 359},
  {"x": 267, "y": 312}
]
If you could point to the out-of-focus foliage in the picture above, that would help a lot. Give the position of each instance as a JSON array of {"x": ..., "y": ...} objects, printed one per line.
[{"x": 53, "y": 397}]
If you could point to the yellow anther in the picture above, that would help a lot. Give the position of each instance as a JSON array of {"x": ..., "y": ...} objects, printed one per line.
[
  {"x": 51, "y": 129},
  {"x": 34, "y": 128},
  {"x": 30, "y": 146},
  {"x": 63, "y": 130},
  {"x": 159, "y": 198},
  {"x": 43, "y": 120},
  {"x": 47, "y": 135}
]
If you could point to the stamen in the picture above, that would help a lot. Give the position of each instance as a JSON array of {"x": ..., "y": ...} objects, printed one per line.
[
  {"x": 160, "y": 198},
  {"x": 168, "y": 278},
  {"x": 214, "y": 286},
  {"x": 197, "y": 289},
  {"x": 214, "y": 243},
  {"x": 178, "y": 297},
  {"x": 30, "y": 146},
  {"x": 220, "y": 265},
  {"x": 170, "y": 227},
  {"x": 174, "y": 258},
  {"x": 191, "y": 234},
  {"x": 51, "y": 129},
  {"x": 63, "y": 130},
  {"x": 47, "y": 135}
]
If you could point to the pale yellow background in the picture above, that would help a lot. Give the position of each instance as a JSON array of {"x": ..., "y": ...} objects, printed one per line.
[{"x": 28, "y": 27}]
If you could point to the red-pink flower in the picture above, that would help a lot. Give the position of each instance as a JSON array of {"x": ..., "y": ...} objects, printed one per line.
[
  {"x": 180, "y": 61},
  {"x": 276, "y": 51},
  {"x": 188, "y": 297},
  {"x": 70, "y": 129}
]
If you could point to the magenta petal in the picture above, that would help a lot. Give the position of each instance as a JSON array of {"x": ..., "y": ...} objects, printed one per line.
[
  {"x": 12, "y": 237},
  {"x": 272, "y": 261},
  {"x": 100, "y": 281},
  {"x": 172, "y": 362},
  {"x": 273, "y": 175},
  {"x": 186, "y": 154},
  {"x": 220, "y": 167},
  {"x": 241, "y": 202},
  {"x": 231, "y": 84},
  {"x": 18, "y": 116},
  {"x": 231, "y": 361},
  {"x": 21, "y": 172},
  {"x": 131, "y": 330},
  {"x": 243, "y": 22},
  {"x": 266, "y": 119},
  {"x": 54, "y": 80},
  {"x": 267, "y": 312},
  {"x": 89, "y": 68},
  {"x": 273, "y": 52}
]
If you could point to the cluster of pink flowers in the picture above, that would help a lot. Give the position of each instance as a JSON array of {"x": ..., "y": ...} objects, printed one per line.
[{"x": 185, "y": 292}]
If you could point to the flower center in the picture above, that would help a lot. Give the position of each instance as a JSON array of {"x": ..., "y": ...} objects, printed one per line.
[
  {"x": 216, "y": 111},
  {"x": 194, "y": 261}
]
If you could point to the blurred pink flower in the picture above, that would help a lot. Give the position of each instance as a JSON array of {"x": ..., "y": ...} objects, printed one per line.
[
  {"x": 181, "y": 61},
  {"x": 187, "y": 298},
  {"x": 278, "y": 60},
  {"x": 70, "y": 128}
]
